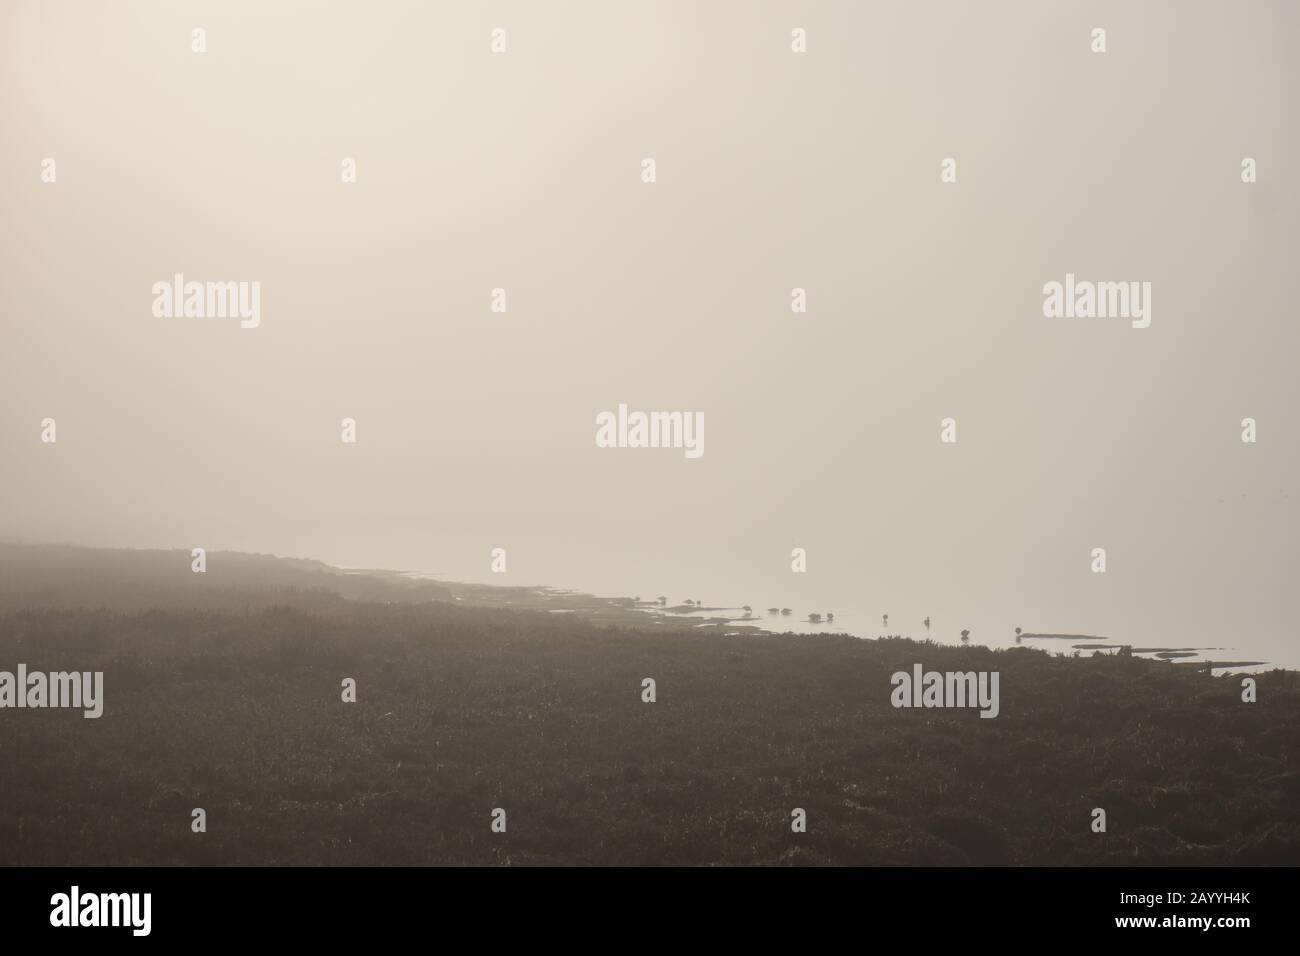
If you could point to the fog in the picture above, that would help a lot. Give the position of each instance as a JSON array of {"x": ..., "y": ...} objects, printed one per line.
[{"x": 774, "y": 170}]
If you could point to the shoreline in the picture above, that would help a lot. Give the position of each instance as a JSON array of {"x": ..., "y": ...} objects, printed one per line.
[{"x": 650, "y": 614}]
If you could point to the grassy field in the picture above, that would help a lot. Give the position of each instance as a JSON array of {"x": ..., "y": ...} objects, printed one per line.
[{"x": 225, "y": 695}]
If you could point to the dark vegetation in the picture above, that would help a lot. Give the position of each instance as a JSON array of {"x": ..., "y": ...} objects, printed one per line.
[{"x": 223, "y": 692}]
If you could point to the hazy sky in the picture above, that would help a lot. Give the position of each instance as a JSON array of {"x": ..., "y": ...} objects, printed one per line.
[{"x": 522, "y": 170}]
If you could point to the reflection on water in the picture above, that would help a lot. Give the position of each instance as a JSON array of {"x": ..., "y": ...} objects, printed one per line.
[
  {"x": 910, "y": 622},
  {"x": 1219, "y": 660}
]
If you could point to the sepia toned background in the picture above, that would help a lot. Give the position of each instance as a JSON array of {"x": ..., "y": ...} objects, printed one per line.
[{"x": 775, "y": 170}]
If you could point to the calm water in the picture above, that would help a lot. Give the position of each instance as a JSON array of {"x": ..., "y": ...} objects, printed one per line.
[
  {"x": 863, "y": 618},
  {"x": 861, "y": 626}
]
